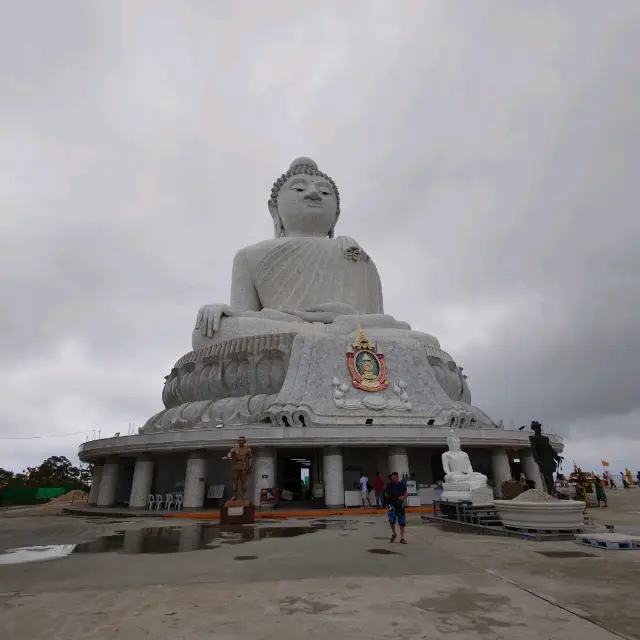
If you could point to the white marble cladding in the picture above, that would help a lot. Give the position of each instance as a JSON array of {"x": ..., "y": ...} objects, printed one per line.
[
  {"x": 264, "y": 471},
  {"x": 109, "y": 483},
  {"x": 141, "y": 484},
  {"x": 308, "y": 394},
  {"x": 398, "y": 461},
  {"x": 435, "y": 352},
  {"x": 194, "y": 481},
  {"x": 501, "y": 469},
  {"x": 235, "y": 368},
  {"x": 333, "y": 477},
  {"x": 96, "y": 475}
]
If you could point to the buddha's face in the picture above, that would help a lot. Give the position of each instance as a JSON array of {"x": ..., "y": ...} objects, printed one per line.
[
  {"x": 454, "y": 444},
  {"x": 307, "y": 205}
]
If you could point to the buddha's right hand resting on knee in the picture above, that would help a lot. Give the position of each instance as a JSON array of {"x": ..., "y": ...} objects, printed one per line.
[{"x": 209, "y": 316}]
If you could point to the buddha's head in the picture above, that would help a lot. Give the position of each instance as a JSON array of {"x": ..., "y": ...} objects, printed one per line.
[
  {"x": 453, "y": 442},
  {"x": 304, "y": 201}
]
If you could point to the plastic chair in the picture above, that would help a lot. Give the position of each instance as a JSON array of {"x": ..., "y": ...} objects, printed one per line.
[
  {"x": 178, "y": 502},
  {"x": 168, "y": 501},
  {"x": 150, "y": 501},
  {"x": 159, "y": 501}
]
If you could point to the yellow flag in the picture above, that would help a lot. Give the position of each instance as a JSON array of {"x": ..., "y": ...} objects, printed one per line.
[{"x": 604, "y": 463}]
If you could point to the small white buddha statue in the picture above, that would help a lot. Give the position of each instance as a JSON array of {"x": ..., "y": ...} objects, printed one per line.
[
  {"x": 456, "y": 464},
  {"x": 460, "y": 479}
]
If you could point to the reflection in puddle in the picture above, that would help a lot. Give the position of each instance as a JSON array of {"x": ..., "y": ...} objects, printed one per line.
[
  {"x": 182, "y": 539},
  {"x": 35, "y": 554},
  {"x": 172, "y": 540}
]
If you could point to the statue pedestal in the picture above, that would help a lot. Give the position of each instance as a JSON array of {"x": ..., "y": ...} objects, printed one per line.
[
  {"x": 237, "y": 512},
  {"x": 462, "y": 492},
  {"x": 482, "y": 496}
]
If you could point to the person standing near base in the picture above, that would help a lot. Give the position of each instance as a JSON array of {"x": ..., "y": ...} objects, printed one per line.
[
  {"x": 364, "y": 489},
  {"x": 601, "y": 494},
  {"x": 623, "y": 478},
  {"x": 378, "y": 487},
  {"x": 396, "y": 494}
]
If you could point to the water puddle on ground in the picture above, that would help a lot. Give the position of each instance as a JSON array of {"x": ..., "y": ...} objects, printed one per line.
[
  {"x": 183, "y": 539},
  {"x": 36, "y": 554},
  {"x": 172, "y": 539}
]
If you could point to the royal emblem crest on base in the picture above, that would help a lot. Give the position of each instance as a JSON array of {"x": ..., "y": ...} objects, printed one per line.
[{"x": 366, "y": 364}]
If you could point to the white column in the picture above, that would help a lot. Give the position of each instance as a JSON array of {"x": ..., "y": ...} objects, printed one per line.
[
  {"x": 194, "y": 483},
  {"x": 530, "y": 468},
  {"x": 141, "y": 485},
  {"x": 264, "y": 472},
  {"x": 109, "y": 483},
  {"x": 333, "y": 476},
  {"x": 96, "y": 475},
  {"x": 398, "y": 461},
  {"x": 501, "y": 469}
]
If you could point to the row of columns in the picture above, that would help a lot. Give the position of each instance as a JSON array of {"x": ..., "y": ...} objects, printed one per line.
[
  {"x": 332, "y": 469},
  {"x": 104, "y": 482},
  {"x": 105, "y": 477}
]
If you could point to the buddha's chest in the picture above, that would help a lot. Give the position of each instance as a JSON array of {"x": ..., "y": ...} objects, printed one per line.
[
  {"x": 301, "y": 273},
  {"x": 458, "y": 460}
]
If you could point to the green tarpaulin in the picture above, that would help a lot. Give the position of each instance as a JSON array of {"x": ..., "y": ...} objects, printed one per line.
[
  {"x": 25, "y": 495},
  {"x": 19, "y": 494},
  {"x": 46, "y": 493}
]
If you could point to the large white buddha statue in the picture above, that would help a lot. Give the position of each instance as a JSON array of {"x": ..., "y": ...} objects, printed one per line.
[
  {"x": 460, "y": 480},
  {"x": 278, "y": 351},
  {"x": 304, "y": 275}
]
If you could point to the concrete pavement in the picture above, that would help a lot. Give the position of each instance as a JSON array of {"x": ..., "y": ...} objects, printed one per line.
[{"x": 326, "y": 583}]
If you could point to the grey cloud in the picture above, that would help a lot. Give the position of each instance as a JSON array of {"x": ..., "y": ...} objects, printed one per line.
[{"x": 485, "y": 157}]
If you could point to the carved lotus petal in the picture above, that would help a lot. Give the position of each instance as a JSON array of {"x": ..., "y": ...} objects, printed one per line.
[
  {"x": 336, "y": 381},
  {"x": 374, "y": 402}
]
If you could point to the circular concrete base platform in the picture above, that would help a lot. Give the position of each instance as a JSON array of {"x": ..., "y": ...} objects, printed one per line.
[{"x": 291, "y": 437}]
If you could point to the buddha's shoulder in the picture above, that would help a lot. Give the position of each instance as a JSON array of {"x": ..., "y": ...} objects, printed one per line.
[{"x": 256, "y": 252}]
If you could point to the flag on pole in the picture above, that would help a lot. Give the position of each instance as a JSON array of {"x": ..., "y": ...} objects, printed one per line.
[{"x": 604, "y": 463}]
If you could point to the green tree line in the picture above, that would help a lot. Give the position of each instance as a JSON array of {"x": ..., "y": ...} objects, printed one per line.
[{"x": 56, "y": 471}]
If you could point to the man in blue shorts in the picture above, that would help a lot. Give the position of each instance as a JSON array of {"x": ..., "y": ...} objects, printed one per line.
[{"x": 396, "y": 494}]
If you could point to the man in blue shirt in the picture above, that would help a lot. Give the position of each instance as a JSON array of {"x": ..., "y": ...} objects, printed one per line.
[{"x": 396, "y": 494}]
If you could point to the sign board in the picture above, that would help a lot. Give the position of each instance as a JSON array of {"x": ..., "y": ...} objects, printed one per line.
[
  {"x": 216, "y": 492},
  {"x": 235, "y": 511},
  {"x": 178, "y": 487}
]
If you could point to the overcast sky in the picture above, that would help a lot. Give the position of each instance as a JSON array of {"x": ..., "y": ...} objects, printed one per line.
[{"x": 486, "y": 154}]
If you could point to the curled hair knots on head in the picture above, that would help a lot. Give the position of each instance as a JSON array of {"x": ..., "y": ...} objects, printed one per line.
[{"x": 307, "y": 170}]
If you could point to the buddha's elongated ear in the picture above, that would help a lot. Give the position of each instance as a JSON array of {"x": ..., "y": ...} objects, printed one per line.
[
  {"x": 335, "y": 222},
  {"x": 278, "y": 227}
]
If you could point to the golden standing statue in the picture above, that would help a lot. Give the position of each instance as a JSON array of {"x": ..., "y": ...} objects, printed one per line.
[{"x": 241, "y": 457}]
